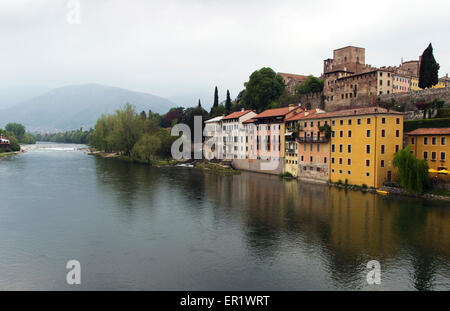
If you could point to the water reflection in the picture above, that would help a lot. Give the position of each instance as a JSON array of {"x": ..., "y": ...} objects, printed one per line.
[{"x": 289, "y": 226}]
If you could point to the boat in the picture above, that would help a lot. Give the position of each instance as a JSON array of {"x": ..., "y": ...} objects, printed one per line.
[{"x": 382, "y": 192}]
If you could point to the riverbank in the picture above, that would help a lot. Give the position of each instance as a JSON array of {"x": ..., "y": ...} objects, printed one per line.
[{"x": 9, "y": 154}]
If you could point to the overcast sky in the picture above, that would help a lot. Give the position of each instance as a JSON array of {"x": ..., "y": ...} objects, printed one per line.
[{"x": 177, "y": 47}]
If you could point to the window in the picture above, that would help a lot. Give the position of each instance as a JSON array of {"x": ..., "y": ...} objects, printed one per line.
[
  {"x": 349, "y": 161},
  {"x": 349, "y": 121},
  {"x": 318, "y": 147},
  {"x": 382, "y": 163},
  {"x": 368, "y": 133},
  {"x": 349, "y": 148},
  {"x": 359, "y": 121},
  {"x": 382, "y": 149},
  {"x": 340, "y": 171},
  {"x": 397, "y": 147},
  {"x": 443, "y": 141},
  {"x": 367, "y": 174},
  {"x": 325, "y": 160},
  {"x": 433, "y": 156},
  {"x": 333, "y": 122},
  {"x": 312, "y": 124},
  {"x": 442, "y": 156},
  {"x": 397, "y": 133},
  {"x": 349, "y": 133},
  {"x": 341, "y": 122},
  {"x": 368, "y": 120},
  {"x": 368, "y": 149},
  {"x": 413, "y": 141},
  {"x": 367, "y": 163},
  {"x": 383, "y": 120},
  {"x": 348, "y": 172},
  {"x": 425, "y": 155},
  {"x": 332, "y": 160},
  {"x": 425, "y": 140},
  {"x": 397, "y": 121},
  {"x": 340, "y": 161},
  {"x": 332, "y": 148},
  {"x": 434, "y": 141},
  {"x": 333, "y": 134},
  {"x": 341, "y": 148},
  {"x": 341, "y": 133},
  {"x": 383, "y": 133},
  {"x": 311, "y": 159},
  {"x": 301, "y": 159}
]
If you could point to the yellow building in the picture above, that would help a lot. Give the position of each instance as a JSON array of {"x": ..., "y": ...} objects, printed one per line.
[
  {"x": 431, "y": 144},
  {"x": 442, "y": 82},
  {"x": 415, "y": 84}
]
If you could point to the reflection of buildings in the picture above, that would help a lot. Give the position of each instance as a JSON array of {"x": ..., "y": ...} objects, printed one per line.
[{"x": 343, "y": 229}]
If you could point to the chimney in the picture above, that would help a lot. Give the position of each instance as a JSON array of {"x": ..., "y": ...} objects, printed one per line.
[
  {"x": 291, "y": 107},
  {"x": 242, "y": 109}
]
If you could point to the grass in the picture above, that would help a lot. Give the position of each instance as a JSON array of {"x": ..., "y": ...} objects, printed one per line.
[
  {"x": 216, "y": 168},
  {"x": 7, "y": 154}
]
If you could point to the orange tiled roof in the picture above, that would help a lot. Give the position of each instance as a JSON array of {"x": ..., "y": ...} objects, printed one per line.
[
  {"x": 352, "y": 112},
  {"x": 431, "y": 131},
  {"x": 277, "y": 112},
  {"x": 304, "y": 114},
  {"x": 236, "y": 115}
]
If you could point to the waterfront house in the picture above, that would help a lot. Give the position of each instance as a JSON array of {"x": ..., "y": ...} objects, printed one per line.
[
  {"x": 213, "y": 138},
  {"x": 234, "y": 134},
  {"x": 431, "y": 144},
  {"x": 305, "y": 147},
  {"x": 362, "y": 144}
]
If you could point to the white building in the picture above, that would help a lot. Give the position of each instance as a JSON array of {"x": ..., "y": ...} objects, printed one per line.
[
  {"x": 234, "y": 134},
  {"x": 213, "y": 138}
]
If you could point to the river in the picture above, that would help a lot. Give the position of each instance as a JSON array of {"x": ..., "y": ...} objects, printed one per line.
[{"x": 133, "y": 227}]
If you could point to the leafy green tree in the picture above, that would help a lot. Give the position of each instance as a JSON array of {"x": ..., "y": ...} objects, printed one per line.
[
  {"x": 218, "y": 111},
  {"x": 429, "y": 69},
  {"x": 413, "y": 173},
  {"x": 18, "y": 130},
  {"x": 228, "y": 102},
  {"x": 263, "y": 88},
  {"x": 311, "y": 85},
  {"x": 146, "y": 148}
]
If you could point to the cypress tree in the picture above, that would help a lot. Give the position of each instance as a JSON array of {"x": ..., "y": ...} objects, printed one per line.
[
  {"x": 428, "y": 69},
  {"x": 228, "y": 102},
  {"x": 199, "y": 103},
  {"x": 216, "y": 98}
]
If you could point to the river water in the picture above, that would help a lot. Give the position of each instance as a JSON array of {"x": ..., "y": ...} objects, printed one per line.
[{"x": 133, "y": 227}]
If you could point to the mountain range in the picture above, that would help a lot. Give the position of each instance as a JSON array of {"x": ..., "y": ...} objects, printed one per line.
[{"x": 74, "y": 106}]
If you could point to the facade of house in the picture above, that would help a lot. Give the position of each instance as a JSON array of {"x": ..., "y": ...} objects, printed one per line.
[
  {"x": 234, "y": 134},
  {"x": 291, "y": 81},
  {"x": 299, "y": 136},
  {"x": 213, "y": 138},
  {"x": 432, "y": 145},
  {"x": 401, "y": 83},
  {"x": 360, "y": 149}
]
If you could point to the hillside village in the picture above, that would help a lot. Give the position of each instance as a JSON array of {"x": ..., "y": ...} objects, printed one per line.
[{"x": 344, "y": 135}]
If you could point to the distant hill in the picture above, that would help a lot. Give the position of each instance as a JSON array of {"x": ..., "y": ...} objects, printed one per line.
[
  {"x": 71, "y": 107},
  {"x": 14, "y": 95}
]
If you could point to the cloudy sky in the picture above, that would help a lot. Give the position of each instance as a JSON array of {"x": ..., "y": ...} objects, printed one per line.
[{"x": 177, "y": 48}]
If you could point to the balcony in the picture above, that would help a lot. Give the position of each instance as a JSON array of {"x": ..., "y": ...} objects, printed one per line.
[{"x": 313, "y": 139}]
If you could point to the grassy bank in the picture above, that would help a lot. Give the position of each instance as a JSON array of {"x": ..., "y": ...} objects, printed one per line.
[{"x": 8, "y": 154}]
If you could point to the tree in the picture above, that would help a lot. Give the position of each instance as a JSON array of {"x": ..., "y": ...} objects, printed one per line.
[
  {"x": 216, "y": 98},
  {"x": 412, "y": 172},
  {"x": 146, "y": 147},
  {"x": 429, "y": 69},
  {"x": 228, "y": 102},
  {"x": 263, "y": 87},
  {"x": 18, "y": 130},
  {"x": 199, "y": 103},
  {"x": 311, "y": 85}
]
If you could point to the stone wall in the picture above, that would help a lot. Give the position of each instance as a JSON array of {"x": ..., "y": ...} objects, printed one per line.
[
  {"x": 411, "y": 98},
  {"x": 260, "y": 166},
  {"x": 312, "y": 100}
]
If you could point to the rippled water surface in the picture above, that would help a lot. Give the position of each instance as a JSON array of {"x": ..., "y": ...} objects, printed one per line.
[{"x": 134, "y": 227}]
